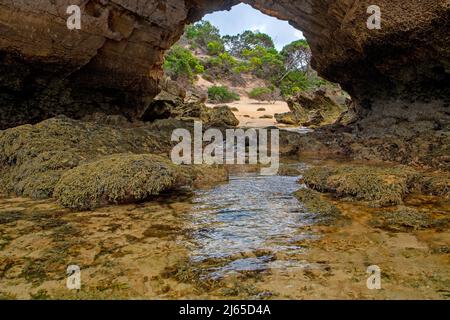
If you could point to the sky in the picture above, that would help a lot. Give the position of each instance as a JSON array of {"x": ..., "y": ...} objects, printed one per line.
[{"x": 243, "y": 17}]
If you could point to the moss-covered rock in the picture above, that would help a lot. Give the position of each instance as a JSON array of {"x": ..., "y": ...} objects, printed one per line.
[
  {"x": 286, "y": 118},
  {"x": 220, "y": 116},
  {"x": 436, "y": 183},
  {"x": 289, "y": 170},
  {"x": 407, "y": 219},
  {"x": 204, "y": 176},
  {"x": 116, "y": 179},
  {"x": 318, "y": 108},
  {"x": 316, "y": 203},
  {"x": 36, "y": 158},
  {"x": 381, "y": 186},
  {"x": 33, "y": 157}
]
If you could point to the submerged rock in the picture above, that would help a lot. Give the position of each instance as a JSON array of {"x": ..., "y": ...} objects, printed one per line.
[
  {"x": 204, "y": 176},
  {"x": 316, "y": 203},
  {"x": 407, "y": 219},
  {"x": 289, "y": 170}
]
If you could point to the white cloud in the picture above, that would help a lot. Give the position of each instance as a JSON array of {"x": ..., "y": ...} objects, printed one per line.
[
  {"x": 298, "y": 34},
  {"x": 243, "y": 17},
  {"x": 260, "y": 28}
]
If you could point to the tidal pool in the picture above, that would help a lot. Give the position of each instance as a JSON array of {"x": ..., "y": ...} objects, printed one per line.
[
  {"x": 249, "y": 238},
  {"x": 246, "y": 222}
]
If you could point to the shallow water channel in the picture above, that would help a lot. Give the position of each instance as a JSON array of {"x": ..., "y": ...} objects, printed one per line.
[{"x": 246, "y": 222}]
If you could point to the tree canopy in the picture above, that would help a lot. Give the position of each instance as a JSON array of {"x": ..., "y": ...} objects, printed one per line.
[{"x": 251, "y": 52}]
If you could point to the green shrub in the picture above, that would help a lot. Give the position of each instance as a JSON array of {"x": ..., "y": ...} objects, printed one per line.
[
  {"x": 242, "y": 67},
  {"x": 181, "y": 63},
  {"x": 221, "y": 66},
  {"x": 222, "y": 94},
  {"x": 225, "y": 61},
  {"x": 261, "y": 94},
  {"x": 294, "y": 82},
  {"x": 265, "y": 63},
  {"x": 215, "y": 48},
  {"x": 202, "y": 33}
]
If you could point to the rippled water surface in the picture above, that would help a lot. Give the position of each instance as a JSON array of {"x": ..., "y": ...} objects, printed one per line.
[{"x": 251, "y": 214}]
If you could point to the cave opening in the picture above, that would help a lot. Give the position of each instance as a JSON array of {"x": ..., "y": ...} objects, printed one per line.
[{"x": 241, "y": 51}]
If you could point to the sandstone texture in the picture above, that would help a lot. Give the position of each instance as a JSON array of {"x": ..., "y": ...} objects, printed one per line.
[{"x": 312, "y": 109}]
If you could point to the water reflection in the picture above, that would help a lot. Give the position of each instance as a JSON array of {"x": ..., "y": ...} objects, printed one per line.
[{"x": 250, "y": 214}]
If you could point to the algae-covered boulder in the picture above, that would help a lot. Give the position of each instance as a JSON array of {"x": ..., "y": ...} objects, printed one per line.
[
  {"x": 116, "y": 179},
  {"x": 286, "y": 118},
  {"x": 289, "y": 170},
  {"x": 316, "y": 203},
  {"x": 407, "y": 219},
  {"x": 381, "y": 186},
  {"x": 33, "y": 157},
  {"x": 317, "y": 108},
  {"x": 204, "y": 176},
  {"x": 314, "y": 118},
  {"x": 436, "y": 183},
  {"x": 220, "y": 116},
  {"x": 36, "y": 158}
]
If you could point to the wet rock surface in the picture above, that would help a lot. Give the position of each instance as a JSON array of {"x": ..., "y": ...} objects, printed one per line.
[
  {"x": 109, "y": 73},
  {"x": 145, "y": 250},
  {"x": 397, "y": 132},
  {"x": 315, "y": 202},
  {"x": 378, "y": 184},
  {"x": 407, "y": 219}
]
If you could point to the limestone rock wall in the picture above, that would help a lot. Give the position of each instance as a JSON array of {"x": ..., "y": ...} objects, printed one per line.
[{"x": 113, "y": 64}]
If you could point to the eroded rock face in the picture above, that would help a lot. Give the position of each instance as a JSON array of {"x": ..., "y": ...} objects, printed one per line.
[
  {"x": 312, "y": 109},
  {"x": 113, "y": 64}
]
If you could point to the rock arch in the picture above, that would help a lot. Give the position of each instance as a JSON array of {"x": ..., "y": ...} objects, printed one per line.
[{"x": 113, "y": 64}]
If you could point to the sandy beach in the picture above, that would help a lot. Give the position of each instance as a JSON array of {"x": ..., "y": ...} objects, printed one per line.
[{"x": 248, "y": 114}]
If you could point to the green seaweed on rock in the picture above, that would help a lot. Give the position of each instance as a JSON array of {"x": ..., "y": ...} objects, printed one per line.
[
  {"x": 381, "y": 186},
  {"x": 116, "y": 179}
]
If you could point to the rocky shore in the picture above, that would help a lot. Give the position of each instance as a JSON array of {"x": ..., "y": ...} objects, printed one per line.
[{"x": 86, "y": 120}]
